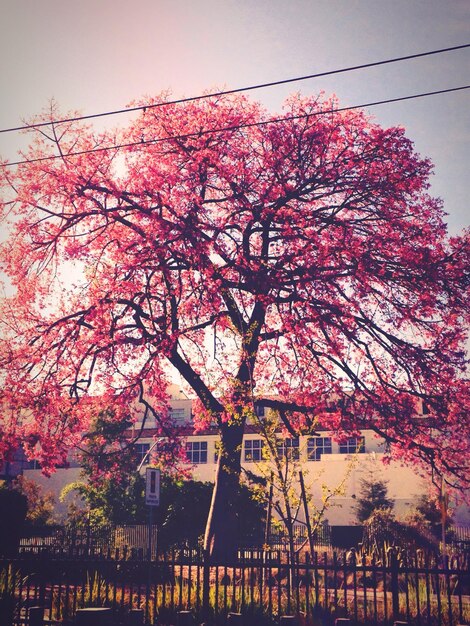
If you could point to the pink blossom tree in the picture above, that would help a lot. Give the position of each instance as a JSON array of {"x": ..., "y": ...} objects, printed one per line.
[{"x": 298, "y": 265}]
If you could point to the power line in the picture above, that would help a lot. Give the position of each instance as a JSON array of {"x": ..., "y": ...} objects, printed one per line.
[
  {"x": 146, "y": 142},
  {"x": 238, "y": 90}
]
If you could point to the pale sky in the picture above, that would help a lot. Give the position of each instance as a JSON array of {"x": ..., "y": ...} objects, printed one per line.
[{"x": 97, "y": 55}]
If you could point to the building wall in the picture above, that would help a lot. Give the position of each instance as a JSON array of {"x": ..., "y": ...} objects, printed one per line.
[
  {"x": 404, "y": 483},
  {"x": 338, "y": 465}
]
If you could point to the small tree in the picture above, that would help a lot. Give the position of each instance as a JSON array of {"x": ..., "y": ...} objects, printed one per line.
[
  {"x": 109, "y": 484},
  {"x": 429, "y": 509},
  {"x": 373, "y": 497},
  {"x": 184, "y": 505},
  {"x": 281, "y": 475},
  {"x": 14, "y": 507},
  {"x": 433, "y": 515},
  {"x": 40, "y": 503}
]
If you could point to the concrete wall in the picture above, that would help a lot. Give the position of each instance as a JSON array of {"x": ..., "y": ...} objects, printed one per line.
[{"x": 404, "y": 483}]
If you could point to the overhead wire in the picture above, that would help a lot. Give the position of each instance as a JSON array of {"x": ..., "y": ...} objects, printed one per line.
[
  {"x": 146, "y": 142},
  {"x": 215, "y": 94}
]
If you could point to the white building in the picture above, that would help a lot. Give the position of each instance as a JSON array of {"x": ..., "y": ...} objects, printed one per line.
[{"x": 324, "y": 462}]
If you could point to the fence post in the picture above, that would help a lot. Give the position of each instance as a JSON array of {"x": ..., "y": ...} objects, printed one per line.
[
  {"x": 36, "y": 616},
  {"x": 205, "y": 583},
  {"x": 394, "y": 583}
]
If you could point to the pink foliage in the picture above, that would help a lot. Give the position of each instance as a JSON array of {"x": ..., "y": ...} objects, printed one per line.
[{"x": 284, "y": 264}]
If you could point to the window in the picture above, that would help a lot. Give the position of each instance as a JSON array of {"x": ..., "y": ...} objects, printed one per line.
[
  {"x": 259, "y": 410},
  {"x": 352, "y": 445},
  {"x": 253, "y": 450},
  {"x": 316, "y": 446},
  {"x": 141, "y": 450},
  {"x": 196, "y": 451},
  {"x": 288, "y": 448},
  {"x": 178, "y": 415}
]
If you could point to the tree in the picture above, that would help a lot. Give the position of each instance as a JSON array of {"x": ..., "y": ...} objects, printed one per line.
[
  {"x": 298, "y": 265},
  {"x": 11, "y": 525},
  {"x": 109, "y": 484},
  {"x": 40, "y": 503},
  {"x": 373, "y": 497},
  {"x": 182, "y": 514},
  {"x": 180, "y": 517},
  {"x": 279, "y": 473},
  {"x": 428, "y": 507},
  {"x": 433, "y": 515}
]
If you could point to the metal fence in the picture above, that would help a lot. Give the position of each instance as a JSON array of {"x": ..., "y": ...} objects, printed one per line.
[
  {"x": 83, "y": 539},
  {"x": 262, "y": 585},
  {"x": 279, "y": 539},
  {"x": 136, "y": 536}
]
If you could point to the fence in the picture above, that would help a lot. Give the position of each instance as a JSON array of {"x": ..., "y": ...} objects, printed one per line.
[
  {"x": 263, "y": 585},
  {"x": 83, "y": 540},
  {"x": 86, "y": 537},
  {"x": 460, "y": 537},
  {"x": 279, "y": 539},
  {"x": 136, "y": 536}
]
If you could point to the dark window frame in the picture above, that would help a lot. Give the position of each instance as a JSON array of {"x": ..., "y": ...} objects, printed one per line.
[
  {"x": 353, "y": 445},
  {"x": 196, "y": 452},
  {"x": 289, "y": 448},
  {"x": 317, "y": 447},
  {"x": 253, "y": 450}
]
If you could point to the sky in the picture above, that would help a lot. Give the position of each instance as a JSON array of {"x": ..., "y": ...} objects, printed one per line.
[{"x": 98, "y": 55}]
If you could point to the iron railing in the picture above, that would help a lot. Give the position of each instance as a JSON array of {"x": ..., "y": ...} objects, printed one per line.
[{"x": 263, "y": 585}]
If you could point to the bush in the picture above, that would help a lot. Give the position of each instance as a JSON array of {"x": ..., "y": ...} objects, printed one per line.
[{"x": 382, "y": 531}]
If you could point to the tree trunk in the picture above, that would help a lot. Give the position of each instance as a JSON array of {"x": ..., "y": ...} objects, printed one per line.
[
  {"x": 307, "y": 514},
  {"x": 222, "y": 532}
]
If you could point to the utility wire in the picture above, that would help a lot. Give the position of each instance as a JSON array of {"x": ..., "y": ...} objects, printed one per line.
[
  {"x": 146, "y": 142},
  {"x": 238, "y": 90}
]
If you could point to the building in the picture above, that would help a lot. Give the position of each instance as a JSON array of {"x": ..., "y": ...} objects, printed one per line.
[{"x": 326, "y": 464}]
